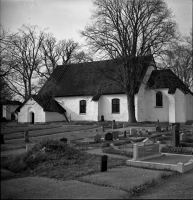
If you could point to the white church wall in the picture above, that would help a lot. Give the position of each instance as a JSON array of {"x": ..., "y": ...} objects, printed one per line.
[
  {"x": 105, "y": 107},
  {"x": 31, "y": 106},
  {"x": 54, "y": 117},
  {"x": 172, "y": 108},
  {"x": 180, "y": 106},
  {"x": 189, "y": 107},
  {"x": 72, "y": 106},
  {"x": 154, "y": 113},
  {"x": 8, "y": 109}
]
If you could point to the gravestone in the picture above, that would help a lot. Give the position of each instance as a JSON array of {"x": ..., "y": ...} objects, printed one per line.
[
  {"x": 147, "y": 141},
  {"x": 143, "y": 131},
  {"x": 158, "y": 127},
  {"x": 97, "y": 138},
  {"x": 124, "y": 125},
  {"x": 125, "y": 134},
  {"x": 132, "y": 131},
  {"x": 2, "y": 139},
  {"x": 114, "y": 126},
  {"x": 115, "y": 134},
  {"x": 103, "y": 166},
  {"x": 26, "y": 136},
  {"x": 65, "y": 140},
  {"x": 108, "y": 136},
  {"x": 182, "y": 137},
  {"x": 176, "y": 136},
  {"x": 102, "y": 128}
]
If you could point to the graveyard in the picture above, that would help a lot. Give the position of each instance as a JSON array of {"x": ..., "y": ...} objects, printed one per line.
[{"x": 144, "y": 148}]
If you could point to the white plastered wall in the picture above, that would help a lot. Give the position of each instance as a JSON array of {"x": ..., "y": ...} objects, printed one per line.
[
  {"x": 8, "y": 109},
  {"x": 154, "y": 113},
  {"x": 72, "y": 107},
  {"x": 180, "y": 106},
  {"x": 189, "y": 107},
  {"x": 105, "y": 108},
  {"x": 54, "y": 117},
  {"x": 31, "y": 106}
]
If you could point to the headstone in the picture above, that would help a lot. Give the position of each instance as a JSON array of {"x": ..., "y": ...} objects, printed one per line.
[
  {"x": 102, "y": 128},
  {"x": 26, "y": 136},
  {"x": 182, "y": 137},
  {"x": 108, "y": 136},
  {"x": 97, "y": 138},
  {"x": 125, "y": 134},
  {"x": 143, "y": 131},
  {"x": 114, "y": 126},
  {"x": 65, "y": 140},
  {"x": 103, "y": 166},
  {"x": 132, "y": 131},
  {"x": 158, "y": 127},
  {"x": 176, "y": 136},
  {"x": 115, "y": 134},
  {"x": 2, "y": 139},
  {"x": 124, "y": 125}
]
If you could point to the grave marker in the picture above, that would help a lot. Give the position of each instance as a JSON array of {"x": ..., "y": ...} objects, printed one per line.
[
  {"x": 115, "y": 134},
  {"x": 26, "y": 136},
  {"x": 114, "y": 126},
  {"x": 108, "y": 136},
  {"x": 176, "y": 136},
  {"x": 182, "y": 137},
  {"x": 97, "y": 138}
]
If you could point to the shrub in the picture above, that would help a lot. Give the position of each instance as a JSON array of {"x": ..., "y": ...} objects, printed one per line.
[
  {"x": 189, "y": 140},
  {"x": 177, "y": 150},
  {"x": 118, "y": 143},
  {"x": 45, "y": 151},
  {"x": 118, "y": 152},
  {"x": 185, "y": 144}
]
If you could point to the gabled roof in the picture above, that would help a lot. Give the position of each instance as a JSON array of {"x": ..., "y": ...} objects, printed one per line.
[
  {"x": 87, "y": 79},
  {"x": 166, "y": 79},
  {"x": 48, "y": 104},
  {"x": 10, "y": 102}
]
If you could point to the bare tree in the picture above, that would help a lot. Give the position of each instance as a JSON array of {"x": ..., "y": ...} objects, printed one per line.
[
  {"x": 179, "y": 60},
  {"x": 127, "y": 29},
  {"x": 24, "y": 57}
]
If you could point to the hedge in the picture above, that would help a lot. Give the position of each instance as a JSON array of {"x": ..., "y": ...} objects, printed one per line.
[
  {"x": 118, "y": 152},
  {"x": 186, "y": 144},
  {"x": 176, "y": 150}
]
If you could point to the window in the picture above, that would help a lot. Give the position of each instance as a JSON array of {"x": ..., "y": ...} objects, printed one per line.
[
  {"x": 159, "y": 99},
  {"x": 83, "y": 106},
  {"x": 115, "y": 106}
]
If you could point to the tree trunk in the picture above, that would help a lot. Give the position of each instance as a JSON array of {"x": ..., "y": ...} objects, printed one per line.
[{"x": 131, "y": 108}]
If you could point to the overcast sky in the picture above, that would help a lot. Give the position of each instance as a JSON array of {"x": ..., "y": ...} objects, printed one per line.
[{"x": 65, "y": 17}]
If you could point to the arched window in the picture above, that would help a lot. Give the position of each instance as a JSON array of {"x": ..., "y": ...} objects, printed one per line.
[
  {"x": 159, "y": 99},
  {"x": 83, "y": 106},
  {"x": 115, "y": 105}
]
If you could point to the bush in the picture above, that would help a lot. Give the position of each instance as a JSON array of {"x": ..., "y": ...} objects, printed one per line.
[
  {"x": 45, "y": 151},
  {"x": 189, "y": 140},
  {"x": 118, "y": 143},
  {"x": 185, "y": 144},
  {"x": 3, "y": 119},
  {"x": 118, "y": 152},
  {"x": 177, "y": 150}
]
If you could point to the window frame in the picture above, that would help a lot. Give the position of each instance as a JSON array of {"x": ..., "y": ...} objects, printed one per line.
[
  {"x": 115, "y": 107},
  {"x": 159, "y": 100},
  {"x": 82, "y": 107}
]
